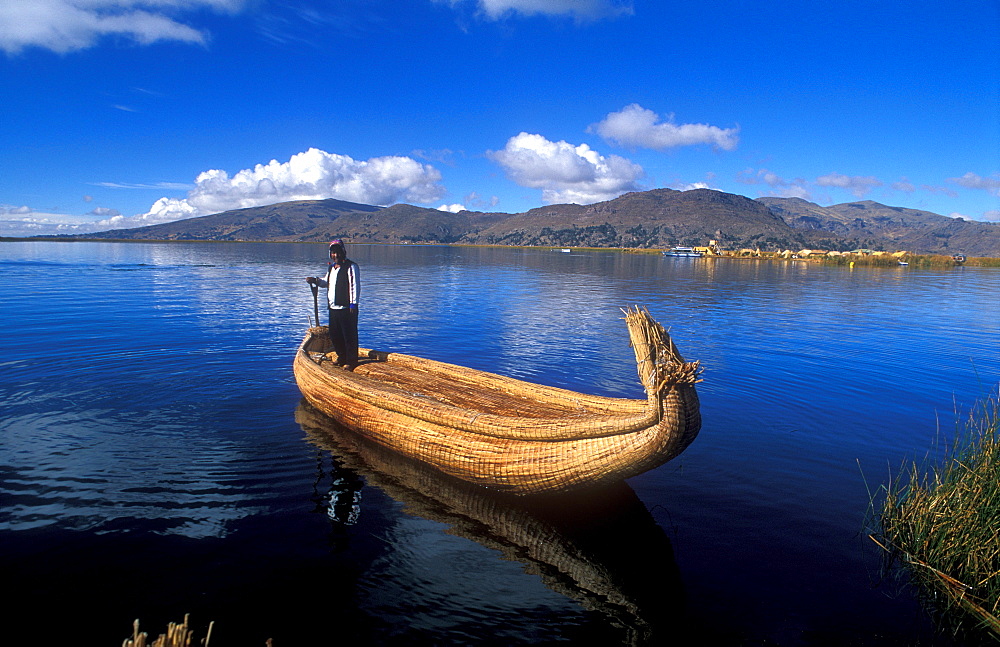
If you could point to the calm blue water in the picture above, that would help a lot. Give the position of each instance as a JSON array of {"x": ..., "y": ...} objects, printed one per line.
[{"x": 155, "y": 460}]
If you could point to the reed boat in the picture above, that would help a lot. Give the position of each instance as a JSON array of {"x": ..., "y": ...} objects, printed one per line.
[{"x": 503, "y": 433}]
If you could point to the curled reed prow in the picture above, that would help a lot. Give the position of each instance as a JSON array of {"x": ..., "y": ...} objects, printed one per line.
[{"x": 658, "y": 361}]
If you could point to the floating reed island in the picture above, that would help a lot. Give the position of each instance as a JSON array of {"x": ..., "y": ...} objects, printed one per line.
[
  {"x": 942, "y": 525},
  {"x": 507, "y": 434}
]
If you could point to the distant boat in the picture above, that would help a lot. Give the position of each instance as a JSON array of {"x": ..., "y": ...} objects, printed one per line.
[
  {"x": 689, "y": 252},
  {"x": 564, "y": 250},
  {"x": 958, "y": 258},
  {"x": 903, "y": 263}
]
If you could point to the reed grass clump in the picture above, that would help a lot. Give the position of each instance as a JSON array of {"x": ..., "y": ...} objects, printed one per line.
[
  {"x": 942, "y": 524},
  {"x": 178, "y": 635}
]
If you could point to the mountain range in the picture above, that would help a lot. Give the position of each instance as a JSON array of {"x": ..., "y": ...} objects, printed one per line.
[{"x": 647, "y": 219}]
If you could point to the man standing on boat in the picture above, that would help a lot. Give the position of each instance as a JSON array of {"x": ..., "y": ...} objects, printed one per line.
[{"x": 343, "y": 286}]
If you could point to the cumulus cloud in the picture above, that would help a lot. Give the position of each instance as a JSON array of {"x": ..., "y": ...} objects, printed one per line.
[
  {"x": 777, "y": 185},
  {"x": 564, "y": 172},
  {"x": 152, "y": 185},
  {"x": 68, "y": 25},
  {"x": 691, "y": 186},
  {"x": 452, "y": 208},
  {"x": 481, "y": 202},
  {"x": 581, "y": 10},
  {"x": 636, "y": 127},
  {"x": 940, "y": 190},
  {"x": 904, "y": 185},
  {"x": 856, "y": 184},
  {"x": 971, "y": 180},
  {"x": 311, "y": 175},
  {"x": 25, "y": 221}
]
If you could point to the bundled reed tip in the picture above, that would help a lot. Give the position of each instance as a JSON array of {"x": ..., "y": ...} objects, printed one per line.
[
  {"x": 941, "y": 524},
  {"x": 660, "y": 364}
]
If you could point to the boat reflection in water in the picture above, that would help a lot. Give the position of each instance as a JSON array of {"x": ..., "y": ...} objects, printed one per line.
[{"x": 600, "y": 547}]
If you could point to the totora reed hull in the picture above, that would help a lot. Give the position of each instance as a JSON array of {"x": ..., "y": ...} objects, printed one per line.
[{"x": 507, "y": 434}]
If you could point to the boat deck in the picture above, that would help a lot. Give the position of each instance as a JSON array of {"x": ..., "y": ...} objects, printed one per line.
[
  {"x": 500, "y": 396},
  {"x": 464, "y": 394}
]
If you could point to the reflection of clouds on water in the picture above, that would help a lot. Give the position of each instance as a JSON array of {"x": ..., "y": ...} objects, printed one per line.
[
  {"x": 503, "y": 311},
  {"x": 585, "y": 310},
  {"x": 141, "y": 407},
  {"x": 231, "y": 291}
]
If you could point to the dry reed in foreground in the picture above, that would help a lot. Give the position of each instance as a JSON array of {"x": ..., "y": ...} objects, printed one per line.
[
  {"x": 943, "y": 525},
  {"x": 178, "y": 635}
]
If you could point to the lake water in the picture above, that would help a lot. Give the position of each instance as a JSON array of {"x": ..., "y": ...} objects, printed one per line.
[{"x": 156, "y": 461}]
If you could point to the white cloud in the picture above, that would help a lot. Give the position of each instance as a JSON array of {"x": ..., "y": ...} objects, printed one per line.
[
  {"x": 163, "y": 210},
  {"x": 939, "y": 190},
  {"x": 992, "y": 216},
  {"x": 793, "y": 191},
  {"x": 481, "y": 202},
  {"x": 68, "y": 25},
  {"x": 904, "y": 185},
  {"x": 636, "y": 127},
  {"x": 778, "y": 186},
  {"x": 25, "y": 221},
  {"x": 311, "y": 175},
  {"x": 971, "y": 180},
  {"x": 579, "y": 9},
  {"x": 452, "y": 208},
  {"x": 758, "y": 176},
  {"x": 564, "y": 172},
  {"x": 856, "y": 184},
  {"x": 153, "y": 185}
]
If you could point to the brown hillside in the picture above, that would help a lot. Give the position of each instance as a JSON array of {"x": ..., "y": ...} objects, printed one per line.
[
  {"x": 649, "y": 219},
  {"x": 404, "y": 223},
  {"x": 283, "y": 221},
  {"x": 879, "y": 226},
  {"x": 657, "y": 218}
]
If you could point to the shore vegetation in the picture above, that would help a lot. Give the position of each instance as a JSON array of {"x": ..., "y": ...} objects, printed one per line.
[
  {"x": 913, "y": 260},
  {"x": 941, "y": 525}
]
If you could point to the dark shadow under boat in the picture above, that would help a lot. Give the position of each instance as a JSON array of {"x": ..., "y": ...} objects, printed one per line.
[{"x": 600, "y": 547}]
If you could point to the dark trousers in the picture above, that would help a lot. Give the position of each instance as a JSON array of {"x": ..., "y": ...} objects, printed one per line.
[{"x": 344, "y": 334}]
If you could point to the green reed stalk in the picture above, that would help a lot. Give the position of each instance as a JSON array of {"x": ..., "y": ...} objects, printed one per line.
[{"x": 943, "y": 524}]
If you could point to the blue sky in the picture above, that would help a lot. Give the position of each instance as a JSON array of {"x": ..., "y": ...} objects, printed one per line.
[{"x": 124, "y": 113}]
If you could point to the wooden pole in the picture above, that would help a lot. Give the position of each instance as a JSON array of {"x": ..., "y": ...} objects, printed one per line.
[{"x": 315, "y": 291}]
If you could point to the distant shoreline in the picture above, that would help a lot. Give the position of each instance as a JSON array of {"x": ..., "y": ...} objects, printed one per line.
[{"x": 914, "y": 260}]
